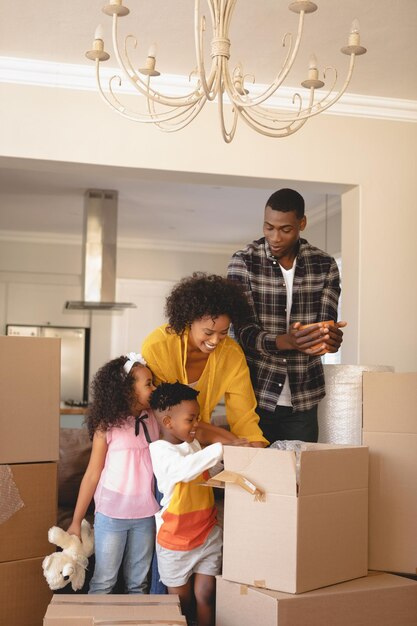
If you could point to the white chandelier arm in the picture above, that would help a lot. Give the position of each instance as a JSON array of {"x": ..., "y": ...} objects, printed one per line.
[
  {"x": 228, "y": 14},
  {"x": 285, "y": 131},
  {"x": 186, "y": 118},
  {"x": 211, "y": 86},
  {"x": 262, "y": 115},
  {"x": 234, "y": 95},
  {"x": 312, "y": 109},
  {"x": 268, "y": 122},
  {"x": 227, "y": 136},
  {"x": 139, "y": 84},
  {"x": 115, "y": 104},
  {"x": 327, "y": 101},
  {"x": 149, "y": 92}
]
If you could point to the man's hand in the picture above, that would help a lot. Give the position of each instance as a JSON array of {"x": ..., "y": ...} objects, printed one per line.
[
  {"x": 315, "y": 339},
  {"x": 335, "y": 337}
]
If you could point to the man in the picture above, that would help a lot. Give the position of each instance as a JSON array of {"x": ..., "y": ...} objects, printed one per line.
[{"x": 289, "y": 284}]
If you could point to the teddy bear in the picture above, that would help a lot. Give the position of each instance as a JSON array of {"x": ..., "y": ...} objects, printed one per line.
[{"x": 60, "y": 568}]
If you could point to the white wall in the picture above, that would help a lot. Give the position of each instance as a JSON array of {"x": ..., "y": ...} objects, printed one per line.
[
  {"x": 376, "y": 156},
  {"x": 326, "y": 237}
]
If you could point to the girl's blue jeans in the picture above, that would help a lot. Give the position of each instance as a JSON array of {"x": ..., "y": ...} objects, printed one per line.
[{"x": 127, "y": 541}]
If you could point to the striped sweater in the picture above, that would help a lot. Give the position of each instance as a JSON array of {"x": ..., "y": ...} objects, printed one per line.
[{"x": 188, "y": 513}]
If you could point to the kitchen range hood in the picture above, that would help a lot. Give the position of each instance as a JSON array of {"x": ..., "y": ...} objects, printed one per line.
[{"x": 99, "y": 253}]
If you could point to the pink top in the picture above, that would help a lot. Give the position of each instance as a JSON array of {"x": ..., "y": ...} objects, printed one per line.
[{"x": 126, "y": 486}]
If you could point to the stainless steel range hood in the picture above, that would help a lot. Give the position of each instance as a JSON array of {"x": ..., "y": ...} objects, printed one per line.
[{"x": 99, "y": 253}]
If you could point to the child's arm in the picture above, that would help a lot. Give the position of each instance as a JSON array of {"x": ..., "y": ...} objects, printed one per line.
[
  {"x": 208, "y": 433},
  {"x": 89, "y": 481},
  {"x": 167, "y": 461}
]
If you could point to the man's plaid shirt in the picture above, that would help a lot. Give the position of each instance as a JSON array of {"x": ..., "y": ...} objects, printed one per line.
[{"x": 316, "y": 291}]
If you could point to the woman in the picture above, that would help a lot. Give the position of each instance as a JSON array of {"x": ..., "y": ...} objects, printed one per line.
[{"x": 195, "y": 349}]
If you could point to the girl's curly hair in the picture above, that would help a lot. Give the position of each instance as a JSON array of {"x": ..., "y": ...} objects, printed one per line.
[
  {"x": 112, "y": 393},
  {"x": 202, "y": 295}
]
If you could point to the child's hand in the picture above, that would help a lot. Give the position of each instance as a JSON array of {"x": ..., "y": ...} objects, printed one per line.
[
  {"x": 75, "y": 529},
  {"x": 237, "y": 442}
]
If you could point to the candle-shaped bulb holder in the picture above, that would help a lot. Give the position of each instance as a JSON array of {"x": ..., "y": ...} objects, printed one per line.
[
  {"x": 149, "y": 69},
  {"x": 354, "y": 40},
  {"x": 98, "y": 53},
  {"x": 302, "y": 5},
  {"x": 115, "y": 8},
  {"x": 152, "y": 50},
  {"x": 313, "y": 75},
  {"x": 99, "y": 33}
]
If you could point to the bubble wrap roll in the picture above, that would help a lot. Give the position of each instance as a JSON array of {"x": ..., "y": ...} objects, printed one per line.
[
  {"x": 10, "y": 500},
  {"x": 340, "y": 411}
]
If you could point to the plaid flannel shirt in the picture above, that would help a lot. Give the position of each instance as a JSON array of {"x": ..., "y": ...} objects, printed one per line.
[{"x": 316, "y": 291}]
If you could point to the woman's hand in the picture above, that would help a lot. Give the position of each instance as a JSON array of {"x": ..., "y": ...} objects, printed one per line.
[{"x": 238, "y": 442}]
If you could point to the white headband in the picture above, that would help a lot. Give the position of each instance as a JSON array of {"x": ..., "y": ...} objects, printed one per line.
[{"x": 134, "y": 357}]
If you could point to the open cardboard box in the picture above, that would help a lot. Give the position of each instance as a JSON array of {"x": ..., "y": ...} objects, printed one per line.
[
  {"x": 299, "y": 536},
  {"x": 114, "y": 609},
  {"x": 374, "y": 600},
  {"x": 390, "y": 431}
]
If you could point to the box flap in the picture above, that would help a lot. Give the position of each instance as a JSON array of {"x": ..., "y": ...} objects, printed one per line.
[
  {"x": 272, "y": 471},
  {"x": 326, "y": 469},
  {"x": 116, "y": 598},
  {"x": 113, "y": 613},
  {"x": 389, "y": 402}
]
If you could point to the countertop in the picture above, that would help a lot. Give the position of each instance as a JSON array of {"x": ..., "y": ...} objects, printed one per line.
[{"x": 72, "y": 410}]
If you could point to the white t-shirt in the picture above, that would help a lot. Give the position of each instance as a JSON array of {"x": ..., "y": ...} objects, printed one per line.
[
  {"x": 183, "y": 462},
  {"x": 285, "y": 395}
]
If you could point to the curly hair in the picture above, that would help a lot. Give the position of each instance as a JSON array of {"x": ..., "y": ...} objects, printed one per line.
[
  {"x": 202, "y": 295},
  {"x": 112, "y": 393},
  {"x": 167, "y": 395}
]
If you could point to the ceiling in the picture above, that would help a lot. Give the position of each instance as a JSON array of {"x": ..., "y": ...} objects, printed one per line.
[{"x": 47, "y": 197}]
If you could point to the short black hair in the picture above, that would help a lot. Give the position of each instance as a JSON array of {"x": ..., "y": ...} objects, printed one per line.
[
  {"x": 287, "y": 200},
  {"x": 167, "y": 395},
  {"x": 201, "y": 295}
]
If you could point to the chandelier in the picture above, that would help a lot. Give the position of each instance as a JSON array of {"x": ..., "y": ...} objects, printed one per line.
[{"x": 220, "y": 82}]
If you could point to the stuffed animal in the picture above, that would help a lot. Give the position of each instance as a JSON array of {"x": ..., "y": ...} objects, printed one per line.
[{"x": 60, "y": 568}]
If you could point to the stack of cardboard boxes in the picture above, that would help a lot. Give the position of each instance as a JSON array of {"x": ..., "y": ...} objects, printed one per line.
[
  {"x": 300, "y": 557},
  {"x": 390, "y": 431},
  {"x": 29, "y": 450}
]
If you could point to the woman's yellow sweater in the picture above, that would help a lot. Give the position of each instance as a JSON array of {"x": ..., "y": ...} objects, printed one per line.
[{"x": 226, "y": 374}]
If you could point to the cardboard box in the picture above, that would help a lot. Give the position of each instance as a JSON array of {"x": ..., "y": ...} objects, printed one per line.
[
  {"x": 302, "y": 536},
  {"x": 30, "y": 374},
  {"x": 390, "y": 431},
  {"x": 24, "y": 594},
  {"x": 375, "y": 600},
  {"x": 143, "y": 610},
  {"x": 25, "y": 534}
]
